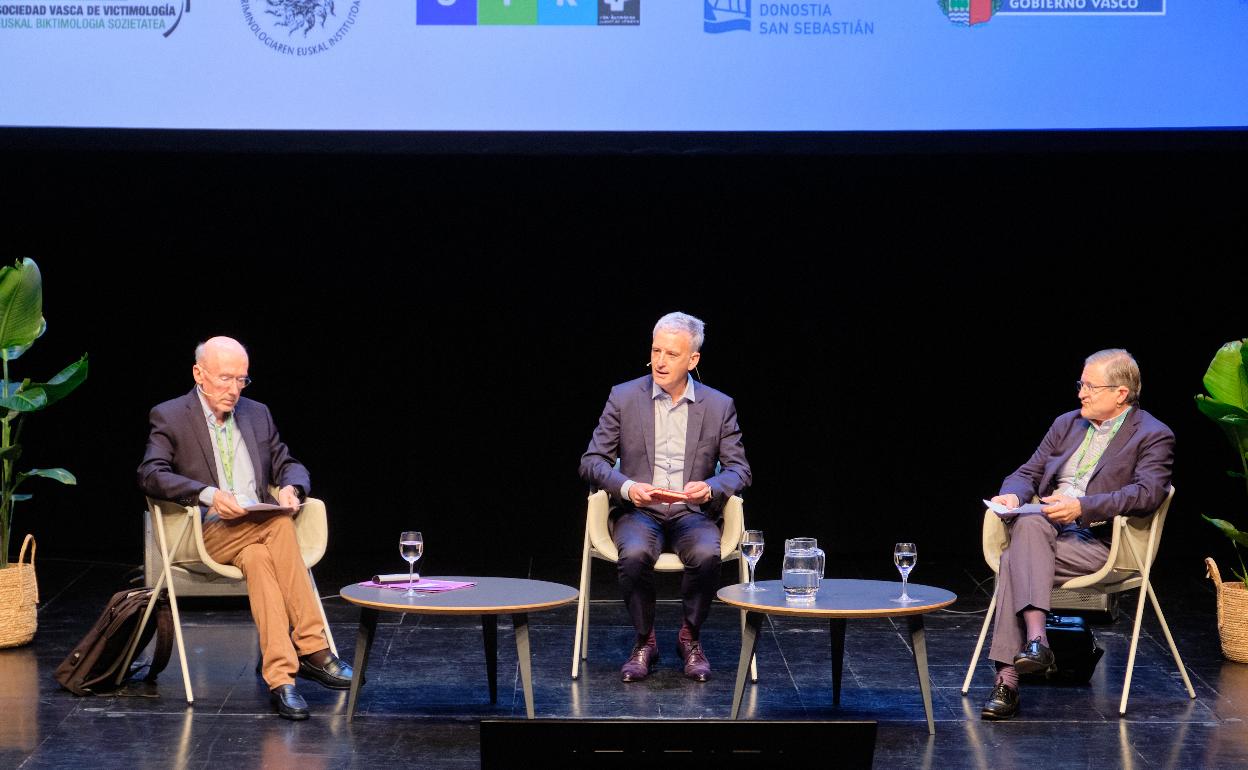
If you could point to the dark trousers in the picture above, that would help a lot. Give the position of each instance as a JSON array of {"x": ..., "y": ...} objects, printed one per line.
[{"x": 640, "y": 536}]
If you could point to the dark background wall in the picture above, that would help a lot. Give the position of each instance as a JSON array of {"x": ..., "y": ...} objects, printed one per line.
[{"x": 436, "y": 334}]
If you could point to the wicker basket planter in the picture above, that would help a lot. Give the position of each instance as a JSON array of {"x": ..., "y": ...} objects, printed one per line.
[
  {"x": 1232, "y": 615},
  {"x": 19, "y": 593}
]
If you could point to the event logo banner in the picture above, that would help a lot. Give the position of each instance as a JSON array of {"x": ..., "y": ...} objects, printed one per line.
[
  {"x": 567, "y": 12},
  {"x": 1082, "y": 8},
  {"x": 971, "y": 12},
  {"x": 725, "y": 16},
  {"x": 300, "y": 27},
  {"x": 528, "y": 12},
  {"x": 804, "y": 19},
  {"x": 107, "y": 15},
  {"x": 514, "y": 12},
  {"x": 618, "y": 13},
  {"x": 446, "y": 12}
]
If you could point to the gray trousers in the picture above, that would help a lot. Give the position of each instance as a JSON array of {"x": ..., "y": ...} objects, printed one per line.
[{"x": 1040, "y": 556}]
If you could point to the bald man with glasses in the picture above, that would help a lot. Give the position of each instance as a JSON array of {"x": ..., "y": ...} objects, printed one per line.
[
  {"x": 214, "y": 448},
  {"x": 1108, "y": 458}
]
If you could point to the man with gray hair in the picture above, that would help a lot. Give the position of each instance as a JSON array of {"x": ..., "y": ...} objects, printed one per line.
[
  {"x": 668, "y": 434},
  {"x": 1108, "y": 458}
]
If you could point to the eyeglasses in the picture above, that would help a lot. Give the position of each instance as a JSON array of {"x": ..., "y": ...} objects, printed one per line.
[
  {"x": 224, "y": 380},
  {"x": 1080, "y": 385}
]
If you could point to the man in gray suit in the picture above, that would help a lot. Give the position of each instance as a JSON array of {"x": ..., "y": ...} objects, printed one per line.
[
  {"x": 1109, "y": 458},
  {"x": 668, "y": 434},
  {"x": 214, "y": 448}
]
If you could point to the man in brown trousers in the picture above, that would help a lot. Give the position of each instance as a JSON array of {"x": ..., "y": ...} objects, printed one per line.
[{"x": 214, "y": 448}]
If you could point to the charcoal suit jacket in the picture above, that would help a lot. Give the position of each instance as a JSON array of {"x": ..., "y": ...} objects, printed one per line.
[
  {"x": 180, "y": 460},
  {"x": 626, "y": 431}
]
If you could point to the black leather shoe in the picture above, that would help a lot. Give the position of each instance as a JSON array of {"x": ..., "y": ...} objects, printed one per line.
[
  {"x": 1035, "y": 658},
  {"x": 335, "y": 673},
  {"x": 290, "y": 704},
  {"x": 1002, "y": 703}
]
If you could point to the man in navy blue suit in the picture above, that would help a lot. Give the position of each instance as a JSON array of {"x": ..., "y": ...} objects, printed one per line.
[{"x": 668, "y": 434}]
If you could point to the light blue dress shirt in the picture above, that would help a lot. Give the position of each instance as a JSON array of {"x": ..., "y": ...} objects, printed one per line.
[{"x": 671, "y": 423}]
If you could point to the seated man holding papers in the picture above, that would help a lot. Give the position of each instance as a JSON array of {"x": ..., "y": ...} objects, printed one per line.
[{"x": 1106, "y": 459}]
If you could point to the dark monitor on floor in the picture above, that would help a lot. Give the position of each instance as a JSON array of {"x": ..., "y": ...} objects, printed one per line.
[{"x": 675, "y": 743}]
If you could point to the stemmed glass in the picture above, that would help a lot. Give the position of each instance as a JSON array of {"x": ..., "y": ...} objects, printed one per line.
[
  {"x": 752, "y": 550},
  {"x": 411, "y": 547},
  {"x": 905, "y": 556}
]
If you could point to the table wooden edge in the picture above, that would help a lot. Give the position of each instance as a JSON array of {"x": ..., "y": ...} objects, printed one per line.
[
  {"x": 496, "y": 609},
  {"x": 814, "y": 612}
]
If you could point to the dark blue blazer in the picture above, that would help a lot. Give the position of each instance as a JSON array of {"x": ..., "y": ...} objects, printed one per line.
[
  {"x": 1132, "y": 477},
  {"x": 626, "y": 431}
]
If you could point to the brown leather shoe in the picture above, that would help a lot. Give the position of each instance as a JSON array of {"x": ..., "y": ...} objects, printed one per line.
[
  {"x": 697, "y": 667},
  {"x": 637, "y": 667}
]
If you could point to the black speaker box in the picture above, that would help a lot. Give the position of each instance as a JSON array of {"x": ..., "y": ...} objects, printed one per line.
[{"x": 673, "y": 743}]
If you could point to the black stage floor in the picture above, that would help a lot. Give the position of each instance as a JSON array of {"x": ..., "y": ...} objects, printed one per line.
[{"x": 426, "y": 690}]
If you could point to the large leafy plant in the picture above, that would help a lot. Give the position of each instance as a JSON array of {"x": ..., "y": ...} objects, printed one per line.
[
  {"x": 21, "y": 323},
  {"x": 1227, "y": 405}
]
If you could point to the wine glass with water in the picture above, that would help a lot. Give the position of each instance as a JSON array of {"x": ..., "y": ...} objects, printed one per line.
[
  {"x": 411, "y": 547},
  {"x": 752, "y": 550},
  {"x": 905, "y": 556}
]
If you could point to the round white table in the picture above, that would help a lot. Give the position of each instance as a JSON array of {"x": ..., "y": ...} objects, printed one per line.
[
  {"x": 837, "y": 601},
  {"x": 489, "y": 598}
]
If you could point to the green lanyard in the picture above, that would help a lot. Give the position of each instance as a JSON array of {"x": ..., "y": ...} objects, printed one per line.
[
  {"x": 1083, "y": 465},
  {"x": 225, "y": 448}
]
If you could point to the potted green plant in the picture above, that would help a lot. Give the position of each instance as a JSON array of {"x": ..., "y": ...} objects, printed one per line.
[
  {"x": 1226, "y": 382},
  {"x": 21, "y": 323}
]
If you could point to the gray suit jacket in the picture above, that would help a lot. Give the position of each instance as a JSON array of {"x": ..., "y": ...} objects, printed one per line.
[
  {"x": 626, "y": 430},
  {"x": 180, "y": 460},
  {"x": 1131, "y": 479}
]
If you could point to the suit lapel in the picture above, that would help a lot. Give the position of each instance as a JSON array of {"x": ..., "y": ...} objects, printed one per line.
[
  {"x": 1120, "y": 440},
  {"x": 1078, "y": 432},
  {"x": 199, "y": 428},
  {"x": 692, "y": 431},
  {"x": 645, "y": 417}
]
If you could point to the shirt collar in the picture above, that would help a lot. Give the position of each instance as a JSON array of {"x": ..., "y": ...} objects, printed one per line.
[
  {"x": 689, "y": 395},
  {"x": 212, "y": 418},
  {"x": 1110, "y": 425}
]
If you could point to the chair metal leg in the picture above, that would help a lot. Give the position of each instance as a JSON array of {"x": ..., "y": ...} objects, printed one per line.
[
  {"x": 1139, "y": 620},
  {"x": 1174, "y": 650},
  {"x": 167, "y": 578},
  {"x": 133, "y": 644},
  {"x": 743, "y": 573},
  {"x": 585, "y": 620},
  {"x": 131, "y": 647},
  {"x": 329, "y": 635},
  {"x": 979, "y": 644},
  {"x": 580, "y": 644},
  {"x": 1146, "y": 589},
  {"x": 1135, "y": 641}
]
